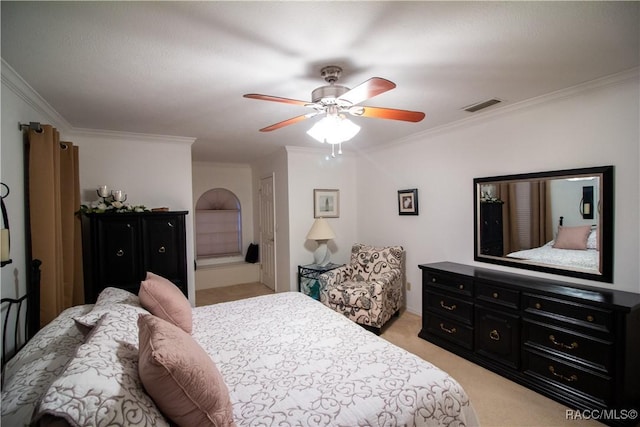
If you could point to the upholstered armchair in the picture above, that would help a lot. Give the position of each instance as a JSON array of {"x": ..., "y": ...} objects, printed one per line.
[{"x": 370, "y": 289}]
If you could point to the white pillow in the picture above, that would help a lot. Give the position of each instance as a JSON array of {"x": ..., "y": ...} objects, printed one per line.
[{"x": 592, "y": 240}]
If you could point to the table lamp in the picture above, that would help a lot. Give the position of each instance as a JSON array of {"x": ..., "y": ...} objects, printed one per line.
[{"x": 321, "y": 233}]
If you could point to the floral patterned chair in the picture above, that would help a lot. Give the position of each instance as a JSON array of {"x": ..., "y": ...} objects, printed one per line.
[{"x": 370, "y": 289}]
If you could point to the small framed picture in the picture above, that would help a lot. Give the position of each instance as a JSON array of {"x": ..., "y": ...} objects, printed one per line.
[
  {"x": 326, "y": 203},
  {"x": 408, "y": 202}
]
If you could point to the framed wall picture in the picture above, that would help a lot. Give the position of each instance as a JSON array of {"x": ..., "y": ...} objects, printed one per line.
[
  {"x": 408, "y": 202},
  {"x": 326, "y": 203}
]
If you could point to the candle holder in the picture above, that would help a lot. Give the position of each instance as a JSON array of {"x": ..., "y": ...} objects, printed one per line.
[
  {"x": 4, "y": 231},
  {"x": 119, "y": 196},
  {"x": 110, "y": 201}
]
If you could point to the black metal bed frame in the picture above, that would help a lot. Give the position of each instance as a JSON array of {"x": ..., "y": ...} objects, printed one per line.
[{"x": 31, "y": 325}]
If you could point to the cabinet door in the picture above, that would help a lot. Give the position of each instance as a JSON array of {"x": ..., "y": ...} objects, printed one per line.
[
  {"x": 118, "y": 253},
  {"x": 497, "y": 336},
  {"x": 165, "y": 250}
]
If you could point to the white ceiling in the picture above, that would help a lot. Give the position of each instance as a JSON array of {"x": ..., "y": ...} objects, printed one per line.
[{"x": 181, "y": 68}]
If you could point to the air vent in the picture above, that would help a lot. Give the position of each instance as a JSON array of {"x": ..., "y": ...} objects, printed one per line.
[{"x": 482, "y": 105}]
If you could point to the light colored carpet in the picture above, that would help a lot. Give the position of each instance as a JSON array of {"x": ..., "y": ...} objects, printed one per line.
[{"x": 497, "y": 401}]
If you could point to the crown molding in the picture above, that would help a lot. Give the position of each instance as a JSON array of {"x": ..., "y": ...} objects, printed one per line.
[
  {"x": 130, "y": 136},
  {"x": 610, "y": 80},
  {"x": 206, "y": 163},
  {"x": 16, "y": 84},
  {"x": 324, "y": 150}
]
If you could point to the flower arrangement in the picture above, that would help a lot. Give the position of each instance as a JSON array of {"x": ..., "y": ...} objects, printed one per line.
[
  {"x": 488, "y": 198},
  {"x": 110, "y": 201},
  {"x": 110, "y": 205}
]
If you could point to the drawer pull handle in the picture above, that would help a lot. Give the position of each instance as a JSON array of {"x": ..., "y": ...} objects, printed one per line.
[
  {"x": 570, "y": 379},
  {"x": 162, "y": 250},
  {"x": 495, "y": 295},
  {"x": 120, "y": 252},
  {"x": 590, "y": 318},
  {"x": 461, "y": 287},
  {"x": 494, "y": 335},
  {"x": 433, "y": 279},
  {"x": 447, "y": 307},
  {"x": 538, "y": 306},
  {"x": 449, "y": 331},
  {"x": 572, "y": 346}
]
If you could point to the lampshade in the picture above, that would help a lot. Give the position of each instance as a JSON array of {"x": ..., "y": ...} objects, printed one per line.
[
  {"x": 321, "y": 233},
  {"x": 320, "y": 230},
  {"x": 333, "y": 129}
]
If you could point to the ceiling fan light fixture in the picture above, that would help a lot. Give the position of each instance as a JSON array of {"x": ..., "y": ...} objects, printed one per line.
[{"x": 333, "y": 129}]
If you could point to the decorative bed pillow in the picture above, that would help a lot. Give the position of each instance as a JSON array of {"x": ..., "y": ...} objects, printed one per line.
[
  {"x": 112, "y": 300},
  {"x": 100, "y": 385},
  {"x": 180, "y": 376},
  {"x": 163, "y": 299},
  {"x": 572, "y": 237}
]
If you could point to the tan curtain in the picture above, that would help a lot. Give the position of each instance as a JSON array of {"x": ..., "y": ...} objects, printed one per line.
[
  {"x": 507, "y": 193},
  {"x": 541, "y": 221},
  {"x": 54, "y": 197}
]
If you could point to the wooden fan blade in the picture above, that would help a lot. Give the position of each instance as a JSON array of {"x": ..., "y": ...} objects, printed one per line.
[
  {"x": 387, "y": 113},
  {"x": 288, "y": 122},
  {"x": 276, "y": 99},
  {"x": 372, "y": 87}
]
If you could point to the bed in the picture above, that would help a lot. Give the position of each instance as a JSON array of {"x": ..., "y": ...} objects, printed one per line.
[
  {"x": 285, "y": 360},
  {"x": 574, "y": 247},
  {"x": 587, "y": 259}
]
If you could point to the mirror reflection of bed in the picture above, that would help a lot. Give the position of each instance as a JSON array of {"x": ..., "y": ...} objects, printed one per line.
[
  {"x": 547, "y": 222},
  {"x": 574, "y": 247}
]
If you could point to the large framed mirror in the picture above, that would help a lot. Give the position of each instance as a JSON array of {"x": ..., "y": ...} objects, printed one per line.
[{"x": 557, "y": 222}]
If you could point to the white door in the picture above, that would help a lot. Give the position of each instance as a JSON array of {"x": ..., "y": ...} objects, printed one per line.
[{"x": 267, "y": 233}]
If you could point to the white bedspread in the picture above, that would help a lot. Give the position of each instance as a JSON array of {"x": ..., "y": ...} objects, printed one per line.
[
  {"x": 288, "y": 360},
  {"x": 584, "y": 259}
]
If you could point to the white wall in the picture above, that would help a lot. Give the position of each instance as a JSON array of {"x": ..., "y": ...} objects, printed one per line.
[
  {"x": 593, "y": 126},
  {"x": 233, "y": 177},
  {"x": 310, "y": 169}
]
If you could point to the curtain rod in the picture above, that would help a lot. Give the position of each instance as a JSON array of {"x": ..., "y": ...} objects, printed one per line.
[
  {"x": 32, "y": 126},
  {"x": 36, "y": 127}
]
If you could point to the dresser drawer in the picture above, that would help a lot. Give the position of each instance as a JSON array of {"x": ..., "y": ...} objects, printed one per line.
[
  {"x": 497, "y": 295},
  {"x": 597, "y": 386},
  {"x": 567, "y": 311},
  {"x": 450, "y": 330},
  {"x": 450, "y": 307},
  {"x": 449, "y": 282},
  {"x": 598, "y": 354}
]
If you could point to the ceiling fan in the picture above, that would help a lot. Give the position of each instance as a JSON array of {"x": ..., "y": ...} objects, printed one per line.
[{"x": 337, "y": 100}]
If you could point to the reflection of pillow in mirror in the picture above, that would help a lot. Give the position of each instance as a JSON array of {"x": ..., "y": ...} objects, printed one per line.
[
  {"x": 572, "y": 237},
  {"x": 592, "y": 241}
]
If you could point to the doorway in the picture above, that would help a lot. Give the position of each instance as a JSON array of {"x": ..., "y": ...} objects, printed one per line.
[{"x": 267, "y": 232}]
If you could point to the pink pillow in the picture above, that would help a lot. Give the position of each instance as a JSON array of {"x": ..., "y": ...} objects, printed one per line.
[
  {"x": 180, "y": 376},
  {"x": 163, "y": 299},
  {"x": 572, "y": 237}
]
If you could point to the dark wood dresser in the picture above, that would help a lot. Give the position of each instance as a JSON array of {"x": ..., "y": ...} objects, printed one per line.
[
  {"x": 577, "y": 345},
  {"x": 119, "y": 249}
]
